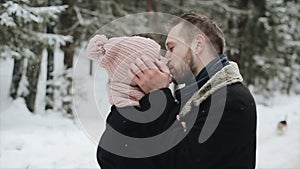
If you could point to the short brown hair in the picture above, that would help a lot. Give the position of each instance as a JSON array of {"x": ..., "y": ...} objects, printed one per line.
[{"x": 206, "y": 25}]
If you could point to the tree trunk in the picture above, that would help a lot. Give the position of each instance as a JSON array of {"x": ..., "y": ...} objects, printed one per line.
[
  {"x": 16, "y": 77},
  {"x": 237, "y": 28},
  {"x": 181, "y": 4},
  {"x": 67, "y": 20},
  {"x": 34, "y": 65},
  {"x": 50, "y": 87},
  {"x": 69, "y": 51},
  {"x": 149, "y": 9},
  {"x": 149, "y": 6},
  {"x": 91, "y": 68},
  {"x": 50, "y": 69},
  {"x": 32, "y": 74},
  {"x": 116, "y": 9}
]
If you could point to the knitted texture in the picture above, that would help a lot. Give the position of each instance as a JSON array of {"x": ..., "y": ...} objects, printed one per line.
[{"x": 115, "y": 55}]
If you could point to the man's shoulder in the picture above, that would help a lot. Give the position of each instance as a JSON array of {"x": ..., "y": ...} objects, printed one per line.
[
  {"x": 231, "y": 95},
  {"x": 239, "y": 91},
  {"x": 240, "y": 102},
  {"x": 233, "y": 90}
]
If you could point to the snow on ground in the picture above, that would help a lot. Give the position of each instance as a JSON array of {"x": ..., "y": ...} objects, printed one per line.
[
  {"x": 277, "y": 150},
  {"x": 50, "y": 140},
  {"x": 47, "y": 141}
]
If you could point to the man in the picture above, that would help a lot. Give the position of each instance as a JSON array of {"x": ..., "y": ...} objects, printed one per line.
[{"x": 213, "y": 124}]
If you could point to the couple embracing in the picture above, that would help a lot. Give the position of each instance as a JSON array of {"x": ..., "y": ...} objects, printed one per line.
[{"x": 210, "y": 123}]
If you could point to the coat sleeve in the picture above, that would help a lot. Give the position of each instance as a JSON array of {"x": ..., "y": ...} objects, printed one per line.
[
  {"x": 156, "y": 113},
  {"x": 155, "y": 120}
]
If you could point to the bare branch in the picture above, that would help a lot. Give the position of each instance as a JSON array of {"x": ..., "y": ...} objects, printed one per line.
[
  {"x": 224, "y": 6},
  {"x": 95, "y": 14},
  {"x": 174, "y": 5},
  {"x": 79, "y": 16},
  {"x": 211, "y": 4},
  {"x": 117, "y": 11},
  {"x": 231, "y": 9},
  {"x": 71, "y": 29}
]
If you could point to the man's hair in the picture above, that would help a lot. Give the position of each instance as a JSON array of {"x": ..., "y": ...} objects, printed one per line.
[{"x": 206, "y": 25}]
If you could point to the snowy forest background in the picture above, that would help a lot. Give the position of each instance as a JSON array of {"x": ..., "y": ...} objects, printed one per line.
[{"x": 43, "y": 43}]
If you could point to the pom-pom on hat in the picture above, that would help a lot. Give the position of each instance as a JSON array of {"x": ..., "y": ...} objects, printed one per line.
[
  {"x": 96, "y": 47},
  {"x": 115, "y": 55}
]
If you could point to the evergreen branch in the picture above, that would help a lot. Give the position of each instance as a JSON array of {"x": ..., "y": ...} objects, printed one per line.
[
  {"x": 52, "y": 39},
  {"x": 46, "y": 9},
  {"x": 46, "y": 39},
  {"x": 20, "y": 11}
]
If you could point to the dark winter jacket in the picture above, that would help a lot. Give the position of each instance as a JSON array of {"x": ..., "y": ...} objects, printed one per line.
[{"x": 220, "y": 131}]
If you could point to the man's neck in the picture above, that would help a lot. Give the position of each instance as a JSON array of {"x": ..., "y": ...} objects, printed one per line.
[{"x": 200, "y": 64}]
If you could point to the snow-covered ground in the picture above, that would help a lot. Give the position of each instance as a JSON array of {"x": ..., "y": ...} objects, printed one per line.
[{"x": 50, "y": 140}]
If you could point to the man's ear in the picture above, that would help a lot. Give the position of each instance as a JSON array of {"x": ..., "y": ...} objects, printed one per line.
[{"x": 199, "y": 43}]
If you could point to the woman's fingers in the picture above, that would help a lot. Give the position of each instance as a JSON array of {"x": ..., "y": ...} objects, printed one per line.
[
  {"x": 132, "y": 77},
  {"x": 150, "y": 76},
  {"x": 141, "y": 65},
  {"x": 162, "y": 66},
  {"x": 135, "y": 70},
  {"x": 149, "y": 63}
]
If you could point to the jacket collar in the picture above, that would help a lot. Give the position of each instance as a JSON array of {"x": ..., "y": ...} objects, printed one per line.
[
  {"x": 184, "y": 94},
  {"x": 227, "y": 75}
]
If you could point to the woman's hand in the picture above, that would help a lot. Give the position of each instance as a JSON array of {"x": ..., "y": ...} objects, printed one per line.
[{"x": 150, "y": 76}]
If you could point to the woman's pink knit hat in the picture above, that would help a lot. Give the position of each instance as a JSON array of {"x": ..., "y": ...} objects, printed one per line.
[{"x": 116, "y": 55}]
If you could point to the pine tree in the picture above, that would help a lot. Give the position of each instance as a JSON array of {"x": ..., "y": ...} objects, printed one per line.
[
  {"x": 24, "y": 39},
  {"x": 283, "y": 23}
]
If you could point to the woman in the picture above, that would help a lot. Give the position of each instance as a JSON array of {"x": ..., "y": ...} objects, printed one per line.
[{"x": 129, "y": 103}]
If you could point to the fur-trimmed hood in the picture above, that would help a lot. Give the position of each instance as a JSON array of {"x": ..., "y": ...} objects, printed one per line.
[{"x": 227, "y": 75}]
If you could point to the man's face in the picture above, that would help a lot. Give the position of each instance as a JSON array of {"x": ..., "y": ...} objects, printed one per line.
[{"x": 179, "y": 54}]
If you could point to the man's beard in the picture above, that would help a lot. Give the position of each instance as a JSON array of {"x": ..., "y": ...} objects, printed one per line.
[{"x": 186, "y": 75}]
